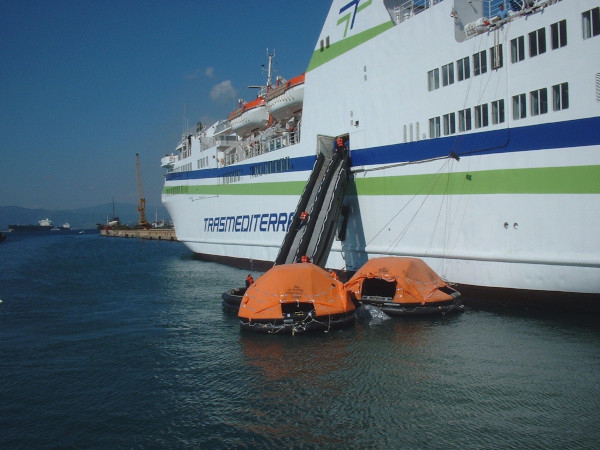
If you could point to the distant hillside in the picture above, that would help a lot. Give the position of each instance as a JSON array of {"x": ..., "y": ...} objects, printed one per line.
[{"x": 82, "y": 218}]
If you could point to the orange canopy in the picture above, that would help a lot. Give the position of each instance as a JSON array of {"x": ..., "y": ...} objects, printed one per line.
[
  {"x": 294, "y": 283},
  {"x": 415, "y": 281}
]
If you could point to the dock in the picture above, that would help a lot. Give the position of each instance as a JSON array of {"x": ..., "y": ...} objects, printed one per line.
[{"x": 165, "y": 234}]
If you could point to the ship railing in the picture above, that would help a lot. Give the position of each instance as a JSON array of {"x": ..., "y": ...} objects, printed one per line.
[
  {"x": 514, "y": 8},
  {"x": 219, "y": 141},
  {"x": 250, "y": 148},
  {"x": 410, "y": 8}
]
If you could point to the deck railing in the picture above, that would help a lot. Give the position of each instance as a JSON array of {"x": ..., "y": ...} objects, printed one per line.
[{"x": 254, "y": 147}]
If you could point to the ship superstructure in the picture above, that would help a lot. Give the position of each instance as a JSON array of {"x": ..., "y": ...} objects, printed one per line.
[{"x": 474, "y": 140}]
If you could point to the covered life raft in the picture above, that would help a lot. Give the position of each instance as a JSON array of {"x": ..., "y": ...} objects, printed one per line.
[
  {"x": 403, "y": 286},
  {"x": 295, "y": 298}
]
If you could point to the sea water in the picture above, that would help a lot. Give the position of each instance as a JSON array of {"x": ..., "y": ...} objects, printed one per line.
[{"x": 121, "y": 343}]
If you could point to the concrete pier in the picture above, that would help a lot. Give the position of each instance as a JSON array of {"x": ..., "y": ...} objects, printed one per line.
[{"x": 165, "y": 234}]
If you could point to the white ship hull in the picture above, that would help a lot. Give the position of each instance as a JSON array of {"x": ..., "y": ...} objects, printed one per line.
[{"x": 517, "y": 208}]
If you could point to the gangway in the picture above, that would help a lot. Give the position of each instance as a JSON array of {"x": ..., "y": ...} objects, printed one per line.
[{"x": 322, "y": 199}]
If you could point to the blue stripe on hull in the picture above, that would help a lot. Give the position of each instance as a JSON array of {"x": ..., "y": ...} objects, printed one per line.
[{"x": 574, "y": 133}]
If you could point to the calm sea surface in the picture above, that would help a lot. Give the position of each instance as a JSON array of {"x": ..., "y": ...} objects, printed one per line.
[{"x": 120, "y": 343}]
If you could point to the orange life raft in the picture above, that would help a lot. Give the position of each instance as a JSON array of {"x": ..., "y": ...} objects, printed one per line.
[
  {"x": 295, "y": 298},
  {"x": 403, "y": 286}
]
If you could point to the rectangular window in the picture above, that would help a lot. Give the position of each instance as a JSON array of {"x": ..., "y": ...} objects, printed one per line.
[
  {"x": 519, "y": 107},
  {"x": 479, "y": 63},
  {"x": 517, "y": 49},
  {"x": 463, "y": 68},
  {"x": 537, "y": 42},
  {"x": 498, "y": 112},
  {"x": 481, "y": 116},
  {"x": 496, "y": 55},
  {"x": 591, "y": 23},
  {"x": 448, "y": 74},
  {"x": 560, "y": 96},
  {"x": 449, "y": 124},
  {"x": 464, "y": 120},
  {"x": 558, "y": 31},
  {"x": 434, "y": 127},
  {"x": 433, "y": 79},
  {"x": 538, "y": 102}
]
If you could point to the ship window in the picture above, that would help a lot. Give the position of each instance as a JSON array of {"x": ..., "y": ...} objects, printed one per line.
[
  {"x": 517, "y": 49},
  {"x": 448, "y": 74},
  {"x": 496, "y": 56},
  {"x": 481, "y": 116},
  {"x": 539, "y": 102},
  {"x": 449, "y": 124},
  {"x": 434, "y": 127},
  {"x": 479, "y": 63},
  {"x": 560, "y": 96},
  {"x": 498, "y": 112},
  {"x": 591, "y": 23},
  {"x": 463, "y": 68},
  {"x": 464, "y": 120},
  {"x": 433, "y": 79},
  {"x": 558, "y": 31},
  {"x": 537, "y": 42},
  {"x": 519, "y": 106}
]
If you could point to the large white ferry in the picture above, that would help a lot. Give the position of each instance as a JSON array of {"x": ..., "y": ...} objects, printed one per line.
[{"x": 474, "y": 139}]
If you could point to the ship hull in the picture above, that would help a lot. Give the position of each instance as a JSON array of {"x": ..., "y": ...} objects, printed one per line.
[{"x": 29, "y": 228}]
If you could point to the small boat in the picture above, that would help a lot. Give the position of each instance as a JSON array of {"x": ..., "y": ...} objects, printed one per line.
[
  {"x": 403, "y": 286},
  {"x": 285, "y": 100},
  {"x": 294, "y": 299},
  {"x": 232, "y": 299},
  {"x": 2, "y": 237},
  {"x": 249, "y": 117}
]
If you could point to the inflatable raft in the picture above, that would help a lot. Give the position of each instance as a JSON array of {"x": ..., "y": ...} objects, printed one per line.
[
  {"x": 232, "y": 299},
  {"x": 295, "y": 298},
  {"x": 403, "y": 286}
]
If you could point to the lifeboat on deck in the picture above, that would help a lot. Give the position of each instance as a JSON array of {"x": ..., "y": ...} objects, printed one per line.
[
  {"x": 285, "y": 100},
  {"x": 249, "y": 117},
  {"x": 403, "y": 286},
  {"x": 295, "y": 298}
]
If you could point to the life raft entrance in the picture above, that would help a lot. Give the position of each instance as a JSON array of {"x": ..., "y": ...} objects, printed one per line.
[{"x": 376, "y": 287}]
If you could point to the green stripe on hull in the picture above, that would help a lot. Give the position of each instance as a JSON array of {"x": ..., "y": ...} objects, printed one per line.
[
  {"x": 544, "y": 180},
  {"x": 338, "y": 48}
]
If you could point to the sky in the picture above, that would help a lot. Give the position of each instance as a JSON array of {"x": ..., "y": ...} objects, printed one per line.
[{"x": 87, "y": 84}]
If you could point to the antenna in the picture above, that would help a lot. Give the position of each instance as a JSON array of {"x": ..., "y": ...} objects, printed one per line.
[
  {"x": 270, "y": 69},
  {"x": 185, "y": 121},
  {"x": 269, "y": 74}
]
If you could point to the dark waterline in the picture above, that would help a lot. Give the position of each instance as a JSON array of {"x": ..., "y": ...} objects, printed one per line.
[{"x": 112, "y": 343}]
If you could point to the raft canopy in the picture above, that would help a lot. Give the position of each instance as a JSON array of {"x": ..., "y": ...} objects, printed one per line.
[
  {"x": 303, "y": 285},
  {"x": 402, "y": 280}
]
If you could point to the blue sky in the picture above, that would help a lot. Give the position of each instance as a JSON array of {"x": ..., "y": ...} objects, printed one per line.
[{"x": 85, "y": 85}]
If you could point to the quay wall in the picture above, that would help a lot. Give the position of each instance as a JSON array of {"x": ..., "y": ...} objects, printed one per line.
[{"x": 159, "y": 234}]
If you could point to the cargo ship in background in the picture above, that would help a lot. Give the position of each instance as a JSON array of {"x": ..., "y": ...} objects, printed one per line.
[
  {"x": 474, "y": 139},
  {"x": 42, "y": 225}
]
